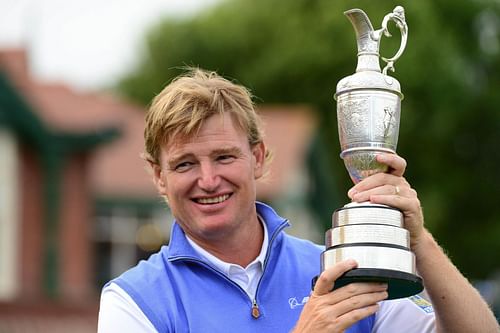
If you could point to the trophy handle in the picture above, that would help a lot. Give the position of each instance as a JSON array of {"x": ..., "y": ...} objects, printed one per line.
[{"x": 398, "y": 16}]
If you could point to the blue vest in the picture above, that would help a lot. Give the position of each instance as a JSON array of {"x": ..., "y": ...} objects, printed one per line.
[{"x": 179, "y": 292}]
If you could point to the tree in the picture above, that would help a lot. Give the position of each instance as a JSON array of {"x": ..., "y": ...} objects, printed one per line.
[{"x": 296, "y": 51}]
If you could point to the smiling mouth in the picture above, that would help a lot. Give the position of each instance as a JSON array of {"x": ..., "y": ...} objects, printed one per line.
[{"x": 212, "y": 200}]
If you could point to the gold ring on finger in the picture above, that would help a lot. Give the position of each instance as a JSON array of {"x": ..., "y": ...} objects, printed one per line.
[{"x": 397, "y": 190}]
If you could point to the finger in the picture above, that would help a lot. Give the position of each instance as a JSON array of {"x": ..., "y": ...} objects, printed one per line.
[
  {"x": 396, "y": 164},
  {"x": 359, "y": 302},
  {"x": 381, "y": 183},
  {"x": 388, "y": 189},
  {"x": 347, "y": 320},
  {"x": 354, "y": 289},
  {"x": 327, "y": 278},
  {"x": 407, "y": 205}
]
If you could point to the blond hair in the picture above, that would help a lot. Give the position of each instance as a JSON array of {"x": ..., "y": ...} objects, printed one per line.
[{"x": 180, "y": 109}]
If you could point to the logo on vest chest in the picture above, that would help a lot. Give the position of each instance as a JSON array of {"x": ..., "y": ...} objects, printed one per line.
[{"x": 294, "y": 302}]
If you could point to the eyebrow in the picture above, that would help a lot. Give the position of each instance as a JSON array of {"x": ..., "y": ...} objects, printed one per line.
[
  {"x": 174, "y": 160},
  {"x": 171, "y": 162},
  {"x": 226, "y": 150}
]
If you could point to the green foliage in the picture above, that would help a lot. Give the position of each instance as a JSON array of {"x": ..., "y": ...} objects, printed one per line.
[{"x": 295, "y": 51}]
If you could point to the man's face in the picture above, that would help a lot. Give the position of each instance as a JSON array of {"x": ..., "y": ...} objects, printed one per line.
[{"x": 209, "y": 179}]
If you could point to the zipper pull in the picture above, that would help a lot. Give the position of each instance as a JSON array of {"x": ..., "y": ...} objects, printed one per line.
[{"x": 255, "y": 309}]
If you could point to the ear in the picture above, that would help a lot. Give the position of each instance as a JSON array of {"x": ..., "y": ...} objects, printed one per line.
[
  {"x": 259, "y": 154},
  {"x": 161, "y": 185}
]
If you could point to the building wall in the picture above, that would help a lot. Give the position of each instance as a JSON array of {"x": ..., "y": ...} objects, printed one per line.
[
  {"x": 31, "y": 223},
  {"x": 75, "y": 257}
]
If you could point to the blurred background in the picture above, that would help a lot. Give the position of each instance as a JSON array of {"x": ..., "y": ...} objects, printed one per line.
[{"x": 77, "y": 206}]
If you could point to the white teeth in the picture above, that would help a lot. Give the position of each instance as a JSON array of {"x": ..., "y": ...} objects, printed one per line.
[{"x": 213, "y": 200}]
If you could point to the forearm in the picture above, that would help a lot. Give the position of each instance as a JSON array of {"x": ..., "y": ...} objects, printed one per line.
[{"x": 457, "y": 304}]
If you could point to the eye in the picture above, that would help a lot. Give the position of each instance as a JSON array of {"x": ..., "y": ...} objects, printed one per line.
[
  {"x": 183, "y": 166},
  {"x": 226, "y": 158}
]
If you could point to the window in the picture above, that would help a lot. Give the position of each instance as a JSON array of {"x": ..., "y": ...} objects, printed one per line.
[
  {"x": 9, "y": 219},
  {"x": 126, "y": 233}
]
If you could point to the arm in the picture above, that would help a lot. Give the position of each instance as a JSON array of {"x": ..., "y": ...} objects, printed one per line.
[
  {"x": 458, "y": 306},
  {"x": 453, "y": 297}
]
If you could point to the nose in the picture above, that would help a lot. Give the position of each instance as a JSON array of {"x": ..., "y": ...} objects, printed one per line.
[{"x": 208, "y": 179}]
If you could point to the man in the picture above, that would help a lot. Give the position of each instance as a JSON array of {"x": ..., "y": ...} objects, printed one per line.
[{"x": 230, "y": 267}]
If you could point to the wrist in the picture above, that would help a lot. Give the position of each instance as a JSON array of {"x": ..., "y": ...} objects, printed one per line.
[{"x": 421, "y": 244}]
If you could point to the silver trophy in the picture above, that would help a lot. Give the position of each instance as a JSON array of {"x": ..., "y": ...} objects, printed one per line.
[{"x": 368, "y": 114}]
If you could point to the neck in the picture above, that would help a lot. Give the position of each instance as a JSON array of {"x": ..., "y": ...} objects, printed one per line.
[{"x": 240, "y": 248}]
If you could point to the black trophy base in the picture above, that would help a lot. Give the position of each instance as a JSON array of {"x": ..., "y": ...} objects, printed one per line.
[{"x": 400, "y": 284}]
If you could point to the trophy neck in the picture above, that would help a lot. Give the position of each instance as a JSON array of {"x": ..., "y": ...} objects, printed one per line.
[{"x": 368, "y": 62}]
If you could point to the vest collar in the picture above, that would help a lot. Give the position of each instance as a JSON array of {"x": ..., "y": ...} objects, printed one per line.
[{"x": 179, "y": 247}]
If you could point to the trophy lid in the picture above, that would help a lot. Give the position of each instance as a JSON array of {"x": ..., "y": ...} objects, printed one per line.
[{"x": 368, "y": 80}]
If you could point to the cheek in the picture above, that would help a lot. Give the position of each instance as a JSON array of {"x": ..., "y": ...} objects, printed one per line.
[
  {"x": 177, "y": 185},
  {"x": 245, "y": 178},
  {"x": 237, "y": 173}
]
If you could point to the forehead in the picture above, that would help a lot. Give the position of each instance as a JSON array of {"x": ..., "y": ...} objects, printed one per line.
[{"x": 219, "y": 130}]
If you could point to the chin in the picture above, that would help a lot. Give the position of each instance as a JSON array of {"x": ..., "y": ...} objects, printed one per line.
[{"x": 216, "y": 229}]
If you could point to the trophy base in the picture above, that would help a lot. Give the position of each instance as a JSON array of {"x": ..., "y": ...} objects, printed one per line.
[{"x": 400, "y": 284}]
